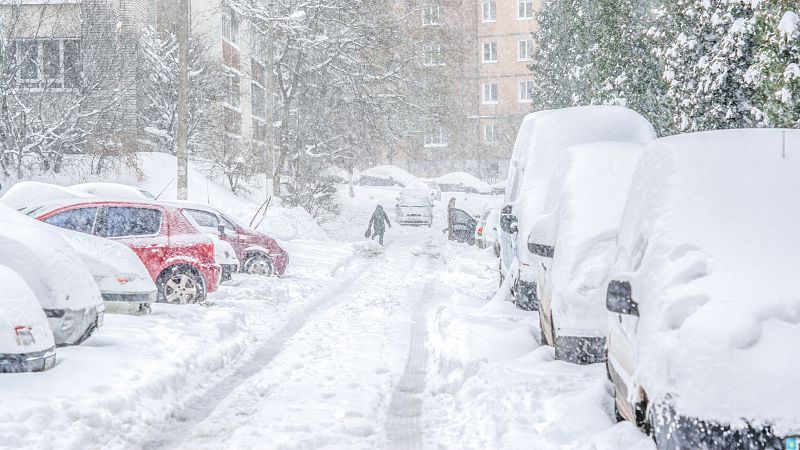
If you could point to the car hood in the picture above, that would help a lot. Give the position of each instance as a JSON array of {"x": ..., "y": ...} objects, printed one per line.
[{"x": 115, "y": 267}]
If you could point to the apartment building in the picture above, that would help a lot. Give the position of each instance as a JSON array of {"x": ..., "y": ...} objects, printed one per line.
[
  {"x": 476, "y": 55},
  {"x": 505, "y": 46},
  {"x": 242, "y": 50}
]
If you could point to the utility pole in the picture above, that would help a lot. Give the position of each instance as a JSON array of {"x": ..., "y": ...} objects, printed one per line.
[
  {"x": 182, "y": 151},
  {"x": 269, "y": 158}
]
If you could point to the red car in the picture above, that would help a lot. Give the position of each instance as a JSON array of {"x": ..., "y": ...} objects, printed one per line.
[
  {"x": 258, "y": 253},
  {"x": 179, "y": 258}
]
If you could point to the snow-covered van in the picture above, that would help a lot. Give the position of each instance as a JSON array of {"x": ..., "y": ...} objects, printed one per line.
[
  {"x": 575, "y": 238},
  {"x": 704, "y": 307},
  {"x": 50, "y": 266},
  {"x": 414, "y": 208},
  {"x": 542, "y": 137},
  {"x": 26, "y": 341}
]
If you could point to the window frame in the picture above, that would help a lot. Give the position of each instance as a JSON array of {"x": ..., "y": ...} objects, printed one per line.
[
  {"x": 528, "y": 50},
  {"x": 492, "y": 53},
  {"x": 65, "y": 78},
  {"x": 527, "y": 91},
  {"x": 523, "y": 7},
  {"x": 490, "y": 93},
  {"x": 436, "y": 137},
  {"x": 486, "y": 127},
  {"x": 433, "y": 14},
  {"x": 492, "y": 11}
]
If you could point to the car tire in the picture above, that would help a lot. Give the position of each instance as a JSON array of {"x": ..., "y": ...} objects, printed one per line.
[
  {"x": 259, "y": 264},
  {"x": 181, "y": 285}
]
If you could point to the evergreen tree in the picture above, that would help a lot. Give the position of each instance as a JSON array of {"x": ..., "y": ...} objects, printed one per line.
[
  {"x": 775, "y": 75},
  {"x": 707, "y": 49}
]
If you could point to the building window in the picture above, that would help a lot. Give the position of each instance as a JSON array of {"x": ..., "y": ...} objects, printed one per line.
[
  {"x": 232, "y": 121},
  {"x": 490, "y": 52},
  {"x": 489, "y": 10},
  {"x": 230, "y": 26},
  {"x": 232, "y": 92},
  {"x": 258, "y": 45},
  {"x": 434, "y": 56},
  {"x": 436, "y": 137},
  {"x": 490, "y": 133},
  {"x": 258, "y": 101},
  {"x": 524, "y": 50},
  {"x": 489, "y": 93},
  {"x": 524, "y": 9},
  {"x": 45, "y": 63},
  {"x": 433, "y": 14},
  {"x": 525, "y": 90}
]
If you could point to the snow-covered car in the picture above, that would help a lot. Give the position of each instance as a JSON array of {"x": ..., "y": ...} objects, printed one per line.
[
  {"x": 463, "y": 182},
  {"x": 541, "y": 138},
  {"x": 225, "y": 256},
  {"x": 486, "y": 231},
  {"x": 258, "y": 253},
  {"x": 26, "y": 341},
  {"x": 61, "y": 281},
  {"x": 414, "y": 208},
  {"x": 121, "y": 277},
  {"x": 702, "y": 294},
  {"x": 429, "y": 186},
  {"x": 113, "y": 190},
  {"x": 385, "y": 176},
  {"x": 575, "y": 239}
]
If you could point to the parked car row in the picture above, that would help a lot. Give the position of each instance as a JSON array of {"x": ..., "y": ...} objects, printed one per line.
[
  {"x": 79, "y": 256},
  {"x": 672, "y": 260}
]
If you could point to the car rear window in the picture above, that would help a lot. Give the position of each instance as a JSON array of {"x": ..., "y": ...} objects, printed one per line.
[
  {"x": 80, "y": 219},
  {"x": 125, "y": 221}
]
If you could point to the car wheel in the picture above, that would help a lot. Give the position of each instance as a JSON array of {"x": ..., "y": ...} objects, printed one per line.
[
  {"x": 259, "y": 265},
  {"x": 180, "y": 285}
]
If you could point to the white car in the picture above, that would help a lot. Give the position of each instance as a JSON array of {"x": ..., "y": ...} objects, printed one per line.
[
  {"x": 224, "y": 255},
  {"x": 113, "y": 190},
  {"x": 26, "y": 342},
  {"x": 542, "y": 137},
  {"x": 123, "y": 281},
  {"x": 575, "y": 240},
  {"x": 704, "y": 309},
  {"x": 486, "y": 233},
  {"x": 414, "y": 208},
  {"x": 50, "y": 266}
]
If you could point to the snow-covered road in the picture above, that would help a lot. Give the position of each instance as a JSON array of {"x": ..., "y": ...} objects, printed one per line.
[{"x": 400, "y": 348}]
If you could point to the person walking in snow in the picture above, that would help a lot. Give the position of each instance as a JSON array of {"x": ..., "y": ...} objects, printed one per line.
[{"x": 378, "y": 224}]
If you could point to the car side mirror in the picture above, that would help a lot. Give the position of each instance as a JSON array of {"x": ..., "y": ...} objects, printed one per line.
[
  {"x": 619, "y": 298},
  {"x": 221, "y": 229},
  {"x": 508, "y": 221},
  {"x": 545, "y": 251}
]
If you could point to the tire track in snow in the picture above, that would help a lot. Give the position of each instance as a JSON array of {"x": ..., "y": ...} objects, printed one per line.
[
  {"x": 199, "y": 408},
  {"x": 403, "y": 427}
]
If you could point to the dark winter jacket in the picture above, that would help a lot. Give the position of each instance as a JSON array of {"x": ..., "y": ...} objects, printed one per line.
[{"x": 379, "y": 220}]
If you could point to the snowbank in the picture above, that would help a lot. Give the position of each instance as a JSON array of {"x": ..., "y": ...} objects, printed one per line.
[
  {"x": 385, "y": 176},
  {"x": 709, "y": 244},
  {"x": 463, "y": 182}
]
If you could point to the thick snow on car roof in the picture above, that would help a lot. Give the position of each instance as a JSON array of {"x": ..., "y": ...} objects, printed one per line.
[
  {"x": 584, "y": 206},
  {"x": 388, "y": 172},
  {"x": 551, "y": 132},
  {"x": 27, "y": 193},
  {"x": 711, "y": 245},
  {"x": 114, "y": 190},
  {"x": 464, "y": 179}
]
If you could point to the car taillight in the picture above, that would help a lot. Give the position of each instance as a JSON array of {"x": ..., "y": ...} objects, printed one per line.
[
  {"x": 480, "y": 230},
  {"x": 24, "y": 335},
  {"x": 207, "y": 252}
]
